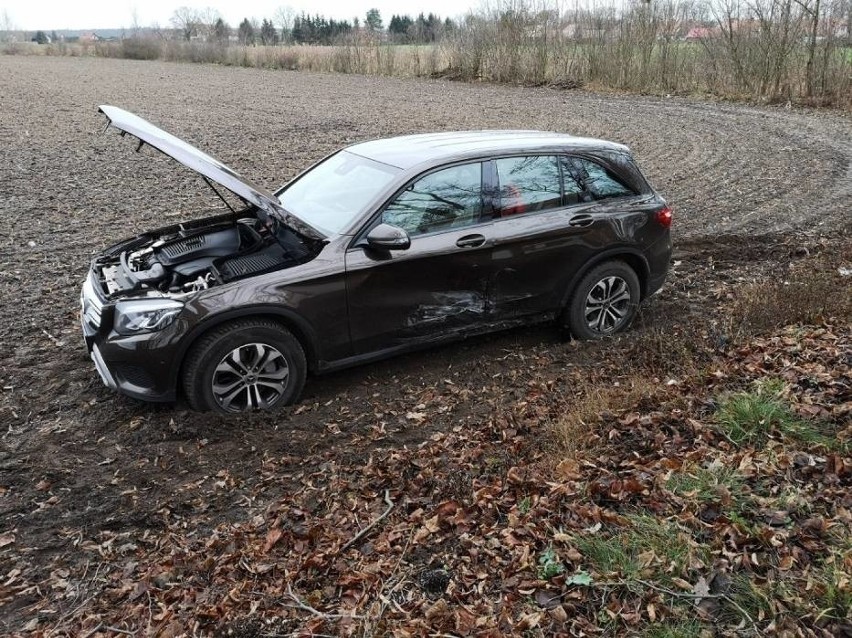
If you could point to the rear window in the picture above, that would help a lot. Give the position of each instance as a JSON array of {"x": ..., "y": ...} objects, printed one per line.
[{"x": 628, "y": 171}]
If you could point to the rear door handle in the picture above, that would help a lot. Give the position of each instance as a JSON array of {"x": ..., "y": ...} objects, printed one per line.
[
  {"x": 470, "y": 241},
  {"x": 581, "y": 220}
]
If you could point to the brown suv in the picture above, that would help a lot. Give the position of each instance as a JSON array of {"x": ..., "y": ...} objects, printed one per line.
[{"x": 380, "y": 248}]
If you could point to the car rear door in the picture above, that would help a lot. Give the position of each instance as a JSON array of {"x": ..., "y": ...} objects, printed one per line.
[
  {"x": 436, "y": 287},
  {"x": 543, "y": 233}
]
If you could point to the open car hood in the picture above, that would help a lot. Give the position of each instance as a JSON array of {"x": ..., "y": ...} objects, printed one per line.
[{"x": 209, "y": 167}]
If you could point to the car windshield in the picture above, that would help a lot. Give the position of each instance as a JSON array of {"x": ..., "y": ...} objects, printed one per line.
[{"x": 335, "y": 191}]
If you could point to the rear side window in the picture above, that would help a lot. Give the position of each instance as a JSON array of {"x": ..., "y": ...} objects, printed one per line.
[
  {"x": 443, "y": 200},
  {"x": 593, "y": 180},
  {"x": 528, "y": 184},
  {"x": 628, "y": 172}
]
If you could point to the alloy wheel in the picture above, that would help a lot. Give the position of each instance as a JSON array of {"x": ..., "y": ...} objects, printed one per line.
[
  {"x": 607, "y": 305},
  {"x": 250, "y": 377}
]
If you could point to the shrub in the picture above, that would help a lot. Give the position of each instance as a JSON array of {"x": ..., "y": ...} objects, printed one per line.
[{"x": 141, "y": 49}]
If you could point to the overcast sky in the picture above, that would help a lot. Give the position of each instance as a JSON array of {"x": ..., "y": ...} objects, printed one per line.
[{"x": 90, "y": 14}]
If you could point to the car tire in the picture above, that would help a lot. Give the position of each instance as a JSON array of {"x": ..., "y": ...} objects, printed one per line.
[
  {"x": 252, "y": 364},
  {"x": 604, "y": 302}
]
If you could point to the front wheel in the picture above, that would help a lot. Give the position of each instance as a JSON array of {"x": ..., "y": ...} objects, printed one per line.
[
  {"x": 604, "y": 302},
  {"x": 253, "y": 364}
]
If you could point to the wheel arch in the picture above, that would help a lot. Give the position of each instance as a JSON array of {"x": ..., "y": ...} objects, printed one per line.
[
  {"x": 300, "y": 329},
  {"x": 632, "y": 257}
]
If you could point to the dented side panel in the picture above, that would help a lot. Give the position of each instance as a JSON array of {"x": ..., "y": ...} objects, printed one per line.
[{"x": 433, "y": 289}]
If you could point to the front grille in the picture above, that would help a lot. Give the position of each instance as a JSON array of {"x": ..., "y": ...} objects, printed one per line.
[{"x": 135, "y": 375}]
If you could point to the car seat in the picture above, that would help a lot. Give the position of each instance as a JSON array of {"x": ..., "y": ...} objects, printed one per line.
[{"x": 511, "y": 202}]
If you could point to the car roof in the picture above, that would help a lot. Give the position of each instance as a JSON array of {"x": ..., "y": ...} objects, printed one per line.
[{"x": 435, "y": 148}]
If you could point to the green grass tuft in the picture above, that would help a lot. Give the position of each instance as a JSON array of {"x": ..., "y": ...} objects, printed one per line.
[
  {"x": 833, "y": 592},
  {"x": 705, "y": 483},
  {"x": 624, "y": 552},
  {"x": 752, "y": 417},
  {"x": 669, "y": 629}
]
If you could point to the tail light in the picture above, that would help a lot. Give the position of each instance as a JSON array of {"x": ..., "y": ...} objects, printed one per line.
[{"x": 664, "y": 217}]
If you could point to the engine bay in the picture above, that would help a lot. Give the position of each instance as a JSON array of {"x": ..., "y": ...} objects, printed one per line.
[{"x": 186, "y": 258}]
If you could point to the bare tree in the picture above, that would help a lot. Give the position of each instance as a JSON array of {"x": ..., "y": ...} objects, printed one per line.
[
  {"x": 186, "y": 20},
  {"x": 727, "y": 14},
  {"x": 157, "y": 31},
  {"x": 206, "y": 22},
  {"x": 284, "y": 17},
  {"x": 812, "y": 9},
  {"x": 7, "y": 27},
  {"x": 849, "y": 22},
  {"x": 134, "y": 22}
]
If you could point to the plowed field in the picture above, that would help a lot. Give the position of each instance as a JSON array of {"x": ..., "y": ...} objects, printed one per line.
[{"x": 750, "y": 187}]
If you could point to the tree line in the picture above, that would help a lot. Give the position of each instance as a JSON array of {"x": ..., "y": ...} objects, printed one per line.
[
  {"x": 767, "y": 50},
  {"x": 287, "y": 27}
]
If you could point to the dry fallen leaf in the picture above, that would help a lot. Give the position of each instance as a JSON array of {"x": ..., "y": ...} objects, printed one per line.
[
  {"x": 700, "y": 589},
  {"x": 272, "y": 537}
]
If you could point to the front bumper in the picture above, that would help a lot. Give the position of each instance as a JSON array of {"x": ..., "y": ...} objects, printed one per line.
[
  {"x": 103, "y": 370},
  {"x": 140, "y": 366}
]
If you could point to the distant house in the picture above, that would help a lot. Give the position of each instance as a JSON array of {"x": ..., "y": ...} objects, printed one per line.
[
  {"x": 91, "y": 36},
  {"x": 836, "y": 29},
  {"x": 574, "y": 31},
  {"x": 597, "y": 34},
  {"x": 701, "y": 33},
  {"x": 571, "y": 30}
]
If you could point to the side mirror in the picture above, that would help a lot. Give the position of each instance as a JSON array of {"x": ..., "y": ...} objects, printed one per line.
[{"x": 387, "y": 237}]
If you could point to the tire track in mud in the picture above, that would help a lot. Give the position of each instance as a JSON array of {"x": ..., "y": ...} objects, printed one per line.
[{"x": 725, "y": 167}]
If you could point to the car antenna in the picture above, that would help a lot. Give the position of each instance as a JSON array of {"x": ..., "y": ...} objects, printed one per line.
[{"x": 210, "y": 184}]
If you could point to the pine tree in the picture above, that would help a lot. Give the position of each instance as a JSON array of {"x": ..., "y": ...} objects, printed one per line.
[
  {"x": 373, "y": 20},
  {"x": 268, "y": 34},
  {"x": 221, "y": 31},
  {"x": 245, "y": 33}
]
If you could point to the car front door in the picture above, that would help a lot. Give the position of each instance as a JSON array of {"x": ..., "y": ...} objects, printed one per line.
[{"x": 435, "y": 288}]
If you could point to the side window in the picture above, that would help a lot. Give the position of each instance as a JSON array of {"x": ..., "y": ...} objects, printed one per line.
[
  {"x": 596, "y": 182},
  {"x": 445, "y": 199},
  {"x": 528, "y": 184}
]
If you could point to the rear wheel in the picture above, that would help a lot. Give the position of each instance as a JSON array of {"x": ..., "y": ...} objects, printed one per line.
[
  {"x": 604, "y": 302},
  {"x": 254, "y": 364}
]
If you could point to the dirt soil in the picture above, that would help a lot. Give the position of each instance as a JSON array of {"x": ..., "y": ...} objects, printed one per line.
[{"x": 751, "y": 187}]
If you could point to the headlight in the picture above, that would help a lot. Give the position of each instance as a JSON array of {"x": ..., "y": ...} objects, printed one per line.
[{"x": 145, "y": 315}]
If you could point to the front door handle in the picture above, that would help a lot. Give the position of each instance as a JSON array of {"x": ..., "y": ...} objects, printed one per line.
[
  {"x": 581, "y": 220},
  {"x": 470, "y": 241}
]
